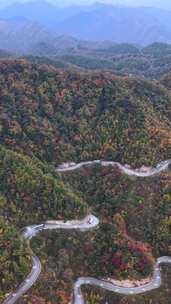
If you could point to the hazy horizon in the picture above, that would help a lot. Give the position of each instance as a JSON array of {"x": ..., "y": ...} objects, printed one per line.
[{"x": 152, "y": 3}]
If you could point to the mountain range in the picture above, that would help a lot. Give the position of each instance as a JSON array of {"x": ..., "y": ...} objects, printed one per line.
[
  {"x": 119, "y": 24},
  {"x": 24, "y": 24}
]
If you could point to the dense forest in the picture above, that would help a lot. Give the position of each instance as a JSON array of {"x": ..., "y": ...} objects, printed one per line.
[
  {"x": 14, "y": 255},
  {"x": 49, "y": 115},
  {"x": 59, "y": 115},
  {"x": 151, "y": 62}
]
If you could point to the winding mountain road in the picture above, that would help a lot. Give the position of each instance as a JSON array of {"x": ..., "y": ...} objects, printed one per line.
[
  {"x": 141, "y": 172},
  {"x": 88, "y": 223},
  {"x": 27, "y": 283},
  {"x": 153, "y": 284}
]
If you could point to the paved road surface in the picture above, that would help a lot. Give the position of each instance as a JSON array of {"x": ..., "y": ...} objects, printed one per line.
[
  {"x": 156, "y": 279},
  {"x": 90, "y": 222},
  {"x": 153, "y": 284},
  {"x": 162, "y": 166},
  {"x": 27, "y": 283}
]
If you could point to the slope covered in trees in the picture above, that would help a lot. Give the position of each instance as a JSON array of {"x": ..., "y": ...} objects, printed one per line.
[
  {"x": 29, "y": 186},
  {"x": 166, "y": 80},
  {"x": 59, "y": 116},
  {"x": 64, "y": 51},
  {"x": 139, "y": 211},
  {"x": 14, "y": 256},
  {"x": 30, "y": 193},
  {"x": 150, "y": 62},
  {"x": 48, "y": 116}
]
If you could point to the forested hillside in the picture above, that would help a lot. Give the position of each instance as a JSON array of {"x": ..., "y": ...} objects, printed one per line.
[
  {"x": 58, "y": 116},
  {"x": 152, "y": 61},
  {"x": 30, "y": 193},
  {"x": 49, "y": 116},
  {"x": 14, "y": 255}
]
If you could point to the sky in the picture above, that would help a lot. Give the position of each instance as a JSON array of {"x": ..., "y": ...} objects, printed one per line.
[{"x": 154, "y": 3}]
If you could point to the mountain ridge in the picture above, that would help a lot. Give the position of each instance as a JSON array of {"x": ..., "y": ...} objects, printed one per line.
[{"x": 142, "y": 25}]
